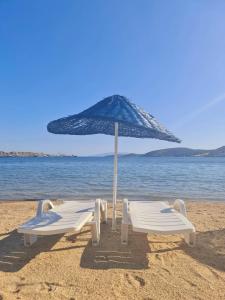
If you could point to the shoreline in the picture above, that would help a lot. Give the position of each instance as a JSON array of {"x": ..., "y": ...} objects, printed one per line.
[{"x": 118, "y": 200}]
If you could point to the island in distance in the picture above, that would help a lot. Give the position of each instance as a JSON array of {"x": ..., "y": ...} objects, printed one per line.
[
  {"x": 31, "y": 154},
  {"x": 178, "y": 152},
  {"x": 183, "y": 152}
]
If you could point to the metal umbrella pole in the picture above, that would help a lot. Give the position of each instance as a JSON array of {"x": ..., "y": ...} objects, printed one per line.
[{"x": 115, "y": 176}]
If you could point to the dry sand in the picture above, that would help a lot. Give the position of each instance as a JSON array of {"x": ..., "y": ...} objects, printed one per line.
[{"x": 153, "y": 267}]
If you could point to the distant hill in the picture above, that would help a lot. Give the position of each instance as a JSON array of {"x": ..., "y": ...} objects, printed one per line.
[
  {"x": 184, "y": 152},
  {"x": 174, "y": 152},
  {"x": 28, "y": 154},
  {"x": 217, "y": 152},
  {"x": 170, "y": 152},
  {"x": 22, "y": 154}
]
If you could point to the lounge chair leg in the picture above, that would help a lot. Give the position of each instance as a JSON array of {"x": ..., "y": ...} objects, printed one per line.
[
  {"x": 124, "y": 234},
  {"x": 125, "y": 222},
  {"x": 29, "y": 239},
  {"x": 104, "y": 211},
  {"x": 95, "y": 224},
  {"x": 95, "y": 233},
  {"x": 190, "y": 238}
]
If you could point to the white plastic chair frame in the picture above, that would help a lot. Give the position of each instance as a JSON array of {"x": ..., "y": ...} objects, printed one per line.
[
  {"x": 179, "y": 205},
  {"x": 100, "y": 212}
]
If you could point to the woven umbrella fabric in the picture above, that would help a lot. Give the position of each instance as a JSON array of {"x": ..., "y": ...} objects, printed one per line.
[{"x": 101, "y": 118}]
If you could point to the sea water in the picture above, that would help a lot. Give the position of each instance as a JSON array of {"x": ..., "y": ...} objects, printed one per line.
[{"x": 139, "y": 178}]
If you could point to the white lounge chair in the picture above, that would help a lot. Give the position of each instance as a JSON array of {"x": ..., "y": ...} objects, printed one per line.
[
  {"x": 70, "y": 216},
  {"x": 157, "y": 218}
]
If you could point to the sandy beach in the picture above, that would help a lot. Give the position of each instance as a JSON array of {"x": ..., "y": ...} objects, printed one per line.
[{"x": 150, "y": 267}]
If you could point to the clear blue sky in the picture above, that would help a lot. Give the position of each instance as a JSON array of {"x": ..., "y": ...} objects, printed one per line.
[{"x": 59, "y": 57}]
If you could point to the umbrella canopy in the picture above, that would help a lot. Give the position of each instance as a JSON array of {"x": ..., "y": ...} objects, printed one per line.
[
  {"x": 101, "y": 118},
  {"x": 114, "y": 115}
]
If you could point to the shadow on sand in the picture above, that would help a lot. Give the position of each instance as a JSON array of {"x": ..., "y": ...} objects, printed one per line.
[
  {"x": 111, "y": 254},
  {"x": 14, "y": 256},
  {"x": 210, "y": 249}
]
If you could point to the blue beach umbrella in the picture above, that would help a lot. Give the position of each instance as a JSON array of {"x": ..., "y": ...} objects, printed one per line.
[{"x": 114, "y": 115}]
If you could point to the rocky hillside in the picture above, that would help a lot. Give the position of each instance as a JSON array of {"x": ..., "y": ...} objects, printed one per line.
[
  {"x": 31, "y": 154},
  {"x": 22, "y": 154},
  {"x": 184, "y": 152}
]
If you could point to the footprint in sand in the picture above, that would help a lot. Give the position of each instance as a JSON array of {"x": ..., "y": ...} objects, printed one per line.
[
  {"x": 157, "y": 258},
  {"x": 191, "y": 284},
  {"x": 12, "y": 288},
  {"x": 140, "y": 280},
  {"x": 135, "y": 281}
]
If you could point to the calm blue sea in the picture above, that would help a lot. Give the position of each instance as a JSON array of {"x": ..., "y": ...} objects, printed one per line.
[{"x": 87, "y": 178}]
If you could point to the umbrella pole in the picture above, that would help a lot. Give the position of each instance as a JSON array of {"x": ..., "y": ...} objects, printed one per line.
[{"x": 115, "y": 176}]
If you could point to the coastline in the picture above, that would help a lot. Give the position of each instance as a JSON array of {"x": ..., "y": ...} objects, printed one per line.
[
  {"x": 156, "y": 198},
  {"x": 150, "y": 267}
]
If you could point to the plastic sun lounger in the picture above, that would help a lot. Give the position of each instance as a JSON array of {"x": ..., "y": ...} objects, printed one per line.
[
  {"x": 70, "y": 216},
  {"x": 156, "y": 218}
]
